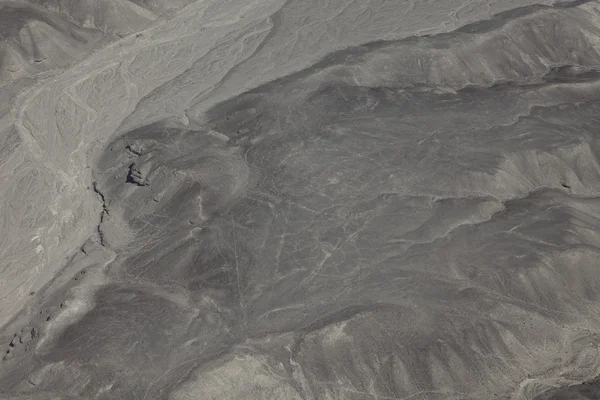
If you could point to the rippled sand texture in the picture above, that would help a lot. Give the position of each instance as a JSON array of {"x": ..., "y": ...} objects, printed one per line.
[{"x": 300, "y": 200}]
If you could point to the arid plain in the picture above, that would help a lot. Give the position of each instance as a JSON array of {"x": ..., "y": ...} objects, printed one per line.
[{"x": 301, "y": 199}]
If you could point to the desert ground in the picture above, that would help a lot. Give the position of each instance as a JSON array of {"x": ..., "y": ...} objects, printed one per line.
[{"x": 299, "y": 199}]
